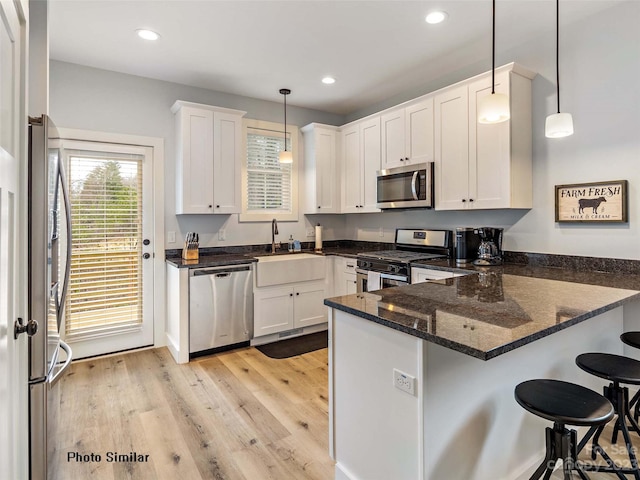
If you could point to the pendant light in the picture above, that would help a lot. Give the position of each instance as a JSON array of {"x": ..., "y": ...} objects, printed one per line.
[
  {"x": 558, "y": 124},
  {"x": 285, "y": 156},
  {"x": 493, "y": 108}
]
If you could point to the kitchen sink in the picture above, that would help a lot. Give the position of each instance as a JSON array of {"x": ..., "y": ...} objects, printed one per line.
[{"x": 292, "y": 268}]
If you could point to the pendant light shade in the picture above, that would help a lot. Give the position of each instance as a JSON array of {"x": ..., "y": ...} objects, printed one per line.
[
  {"x": 493, "y": 108},
  {"x": 285, "y": 156},
  {"x": 558, "y": 124}
]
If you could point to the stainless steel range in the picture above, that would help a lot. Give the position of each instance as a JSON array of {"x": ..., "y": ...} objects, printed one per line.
[{"x": 389, "y": 268}]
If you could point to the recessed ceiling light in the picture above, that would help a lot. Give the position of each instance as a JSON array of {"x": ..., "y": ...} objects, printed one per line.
[
  {"x": 436, "y": 17},
  {"x": 328, "y": 80},
  {"x": 148, "y": 34}
]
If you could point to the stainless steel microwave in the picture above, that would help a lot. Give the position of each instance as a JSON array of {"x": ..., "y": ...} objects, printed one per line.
[{"x": 410, "y": 186}]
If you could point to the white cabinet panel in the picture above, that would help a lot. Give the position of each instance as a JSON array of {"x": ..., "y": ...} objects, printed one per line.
[
  {"x": 273, "y": 310},
  {"x": 308, "y": 306},
  {"x": 208, "y": 158},
  {"x": 320, "y": 166}
]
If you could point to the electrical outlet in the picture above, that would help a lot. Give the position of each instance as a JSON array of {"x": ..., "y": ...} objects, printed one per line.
[
  {"x": 404, "y": 382},
  {"x": 311, "y": 232},
  {"x": 381, "y": 232},
  {"x": 222, "y": 235},
  {"x": 171, "y": 237}
]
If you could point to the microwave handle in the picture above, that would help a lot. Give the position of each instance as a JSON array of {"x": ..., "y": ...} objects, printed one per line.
[{"x": 414, "y": 180}]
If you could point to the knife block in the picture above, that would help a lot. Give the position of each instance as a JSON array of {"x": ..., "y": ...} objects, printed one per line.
[{"x": 190, "y": 253}]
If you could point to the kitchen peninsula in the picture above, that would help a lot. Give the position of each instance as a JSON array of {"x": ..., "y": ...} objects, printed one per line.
[{"x": 460, "y": 346}]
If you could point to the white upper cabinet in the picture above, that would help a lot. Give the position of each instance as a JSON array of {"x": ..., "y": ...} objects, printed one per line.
[
  {"x": 322, "y": 192},
  {"x": 209, "y": 159},
  {"x": 360, "y": 164},
  {"x": 407, "y": 134},
  {"x": 484, "y": 166}
]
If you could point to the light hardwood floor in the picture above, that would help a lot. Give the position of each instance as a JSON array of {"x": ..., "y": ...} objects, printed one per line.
[{"x": 232, "y": 416}]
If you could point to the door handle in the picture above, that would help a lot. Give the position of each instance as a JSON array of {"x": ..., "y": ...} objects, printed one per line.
[
  {"x": 414, "y": 179},
  {"x": 31, "y": 328},
  {"x": 146, "y": 256}
]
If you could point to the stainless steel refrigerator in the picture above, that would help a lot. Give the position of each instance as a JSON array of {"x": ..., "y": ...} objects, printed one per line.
[{"x": 49, "y": 268}]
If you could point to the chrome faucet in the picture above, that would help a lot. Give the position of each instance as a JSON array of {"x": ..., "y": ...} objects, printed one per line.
[{"x": 274, "y": 232}]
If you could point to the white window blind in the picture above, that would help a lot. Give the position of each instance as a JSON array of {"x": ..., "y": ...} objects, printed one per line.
[
  {"x": 269, "y": 182},
  {"x": 105, "y": 289}
]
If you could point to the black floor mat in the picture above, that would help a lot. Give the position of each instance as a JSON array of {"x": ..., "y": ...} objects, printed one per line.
[{"x": 295, "y": 346}]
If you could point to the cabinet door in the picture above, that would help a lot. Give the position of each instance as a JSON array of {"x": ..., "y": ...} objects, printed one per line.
[
  {"x": 326, "y": 184},
  {"x": 393, "y": 138},
  {"x": 308, "y": 305},
  {"x": 489, "y": 150},
  {"x": 227, "y": 145},
  {"x": 419, "y": 132},
  {"x": 420, "y": 275},
  {"x": 350, "y": 283},
  {"x": 194, "y": 165},
  {"x": 370, "y": 164},
  {"x": 273, "y": 310},
  {"x": 452, "y": 149},
  {"x": 351, "y": 168}
]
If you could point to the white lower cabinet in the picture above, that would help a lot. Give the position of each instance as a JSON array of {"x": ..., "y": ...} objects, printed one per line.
[
  {"x": 344, "y": 276},
  {"x": 282, "y": 308}
]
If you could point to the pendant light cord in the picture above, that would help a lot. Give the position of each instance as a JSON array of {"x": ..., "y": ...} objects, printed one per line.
[
  {"x": 558, "y": 51},
  {"x": 493, "y": 49},
  {"x": 285, "y": 122}
]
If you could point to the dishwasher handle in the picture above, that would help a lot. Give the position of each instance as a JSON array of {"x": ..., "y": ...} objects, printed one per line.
[{"x": 220, "y": 271}]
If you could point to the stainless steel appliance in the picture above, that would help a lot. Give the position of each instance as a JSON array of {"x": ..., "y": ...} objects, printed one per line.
[
  {"x": 410, "y": 186},
  {"x": 220, "y": 307},
  {"x": 393, "y": 267},
  {"x": 49, "y": 237},
  {"x": 490, "y": 249},
  {"x": 467, "y": 243}
]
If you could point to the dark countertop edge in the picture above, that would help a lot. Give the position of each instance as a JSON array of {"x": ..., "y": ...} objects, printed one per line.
[
  {"x": 237, "y": 259},
  {"x": 474, "y": 352}
]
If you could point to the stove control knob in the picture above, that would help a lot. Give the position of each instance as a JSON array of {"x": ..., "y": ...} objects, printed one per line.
[{"x": 395, "y": 268}]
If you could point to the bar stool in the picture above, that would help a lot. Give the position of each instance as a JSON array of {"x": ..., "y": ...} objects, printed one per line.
[
  {"x": 563, "y": 403},
  {"x": 633, "y": 339},
  {"x": 617, "y": 369}
]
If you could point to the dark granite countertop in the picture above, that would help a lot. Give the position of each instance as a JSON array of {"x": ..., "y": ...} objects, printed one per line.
[
  {"x": 212, "y": 260},
  {"x": 495, "y": 309}
]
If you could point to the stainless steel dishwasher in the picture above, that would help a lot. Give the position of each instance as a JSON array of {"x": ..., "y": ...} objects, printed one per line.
[{"x": 220, "y": 307}]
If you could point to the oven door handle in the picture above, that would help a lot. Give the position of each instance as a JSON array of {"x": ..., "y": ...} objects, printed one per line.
[{"x": 385, "y": 276}]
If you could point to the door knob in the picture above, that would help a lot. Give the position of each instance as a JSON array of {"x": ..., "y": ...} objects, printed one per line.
[
  {"x": 146, "y": 241},
  {"x": 31, "y": 328},
  {"x": 146, "y": 256}
]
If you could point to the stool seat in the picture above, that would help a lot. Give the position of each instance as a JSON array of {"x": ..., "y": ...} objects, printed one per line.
[
  {"x": 610, "y": 366},
  {"x": 564, "y": 402},
  {"x": 631, "y": 338}
]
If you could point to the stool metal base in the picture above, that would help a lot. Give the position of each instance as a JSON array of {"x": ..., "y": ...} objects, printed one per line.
[
  {"x": 561, "y": 445},
  {"x": 619, "y": 398}
]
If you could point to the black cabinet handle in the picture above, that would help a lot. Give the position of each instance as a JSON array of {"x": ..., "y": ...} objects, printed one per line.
[
  {"x": 471, "y": 199},
  {"x": 464, "y": 200},
  {"x": 297, "y": 293},
  {"x": 217, "y": 206},
  {"x": 210, "y": 206},
  {"x": 291, "y": 294},
  {"x": 406, "y": 159}
]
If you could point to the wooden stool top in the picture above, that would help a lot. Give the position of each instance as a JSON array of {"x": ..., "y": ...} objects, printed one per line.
[
  {"x": 631, "y": 338},
  {"x": 564, "y": 402},
  {"x": 610, "y": 366}
]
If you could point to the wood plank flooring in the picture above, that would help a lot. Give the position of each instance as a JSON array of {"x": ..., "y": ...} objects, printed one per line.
[{"x": 232, "y": 416}]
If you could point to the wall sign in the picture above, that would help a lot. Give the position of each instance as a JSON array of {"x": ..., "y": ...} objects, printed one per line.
[{"x": 600, "y": 202}]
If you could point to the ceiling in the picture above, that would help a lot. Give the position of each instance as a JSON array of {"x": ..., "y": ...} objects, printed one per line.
[{"x": 375, "y": 49}]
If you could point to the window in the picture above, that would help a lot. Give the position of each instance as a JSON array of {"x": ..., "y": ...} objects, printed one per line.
[{"x": 269, "y": 187}]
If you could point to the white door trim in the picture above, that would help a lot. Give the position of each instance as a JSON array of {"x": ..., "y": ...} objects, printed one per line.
[{"x": 157, "y": 145}]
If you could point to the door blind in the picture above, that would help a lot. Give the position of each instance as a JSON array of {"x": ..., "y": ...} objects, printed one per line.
[
  {"x": 268, "y": 181},
  {"x": 105, "y": 287}
]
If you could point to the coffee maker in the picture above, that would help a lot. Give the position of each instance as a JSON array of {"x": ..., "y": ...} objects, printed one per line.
[
  {"x": 467, "y": 243},
  {"x": 490, "y": 249}
]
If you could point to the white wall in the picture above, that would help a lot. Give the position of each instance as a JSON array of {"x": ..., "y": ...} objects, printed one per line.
[
  {"x": 600, "y": 68},
  {"x": 93, "y": 99},
  {"x": 599, "y": 72}
]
